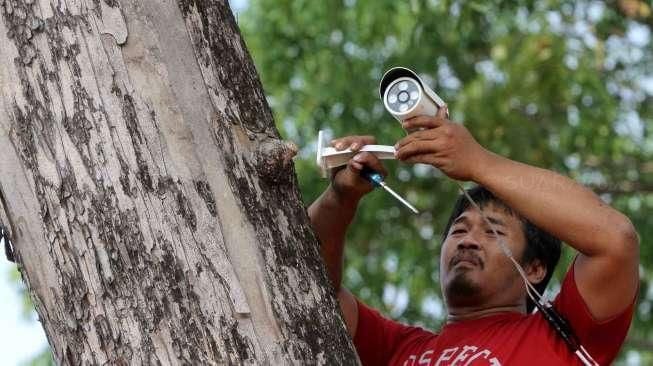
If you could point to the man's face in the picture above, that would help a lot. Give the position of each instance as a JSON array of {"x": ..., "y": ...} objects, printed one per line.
[{"x": 473, "y": 269}]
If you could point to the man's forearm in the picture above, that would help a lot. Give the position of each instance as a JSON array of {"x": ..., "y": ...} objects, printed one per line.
[
  {"x": 558, "y": 205},
  {"x": 330, "y": 216}
]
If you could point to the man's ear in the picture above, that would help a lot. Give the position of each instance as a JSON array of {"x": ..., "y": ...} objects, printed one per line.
[{"x": 535, "y": 271}]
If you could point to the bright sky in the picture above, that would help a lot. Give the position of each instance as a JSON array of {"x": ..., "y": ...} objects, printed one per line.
[{"x": 20, "y": 338}]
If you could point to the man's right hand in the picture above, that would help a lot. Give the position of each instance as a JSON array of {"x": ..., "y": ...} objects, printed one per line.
[{"x": 347, "y": 181}]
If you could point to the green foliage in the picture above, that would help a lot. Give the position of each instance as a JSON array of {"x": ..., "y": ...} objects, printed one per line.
[
  {"x": 27, "y": 308},
  {"x": 42, "y": 358},
  {"x": 557, "y": 84}
]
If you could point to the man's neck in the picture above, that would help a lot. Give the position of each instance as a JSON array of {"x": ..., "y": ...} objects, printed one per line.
[{"x": 458, "y": 314}]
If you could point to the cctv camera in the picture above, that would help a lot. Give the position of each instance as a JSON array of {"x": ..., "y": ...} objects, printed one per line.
[{"x": 404, "y": 95}]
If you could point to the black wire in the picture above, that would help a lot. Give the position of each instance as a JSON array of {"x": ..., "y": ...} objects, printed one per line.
[{"x": 560, "y": 325}]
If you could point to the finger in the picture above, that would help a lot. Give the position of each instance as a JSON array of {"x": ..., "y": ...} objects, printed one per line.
[
  {"x": 425, "y": 159},
  {"x": 417, "y": 159},
  {"x": 417, "y": 147},
  {"x": 362, "y": 141},
  {"x": 431, "y": 134},
  {"x": 404, "y": 141},
  {"x": 367, "y": 139},
  {"x": 335, "y": 171},
  {"x": 353, "y": 143},
  {"x": 355, "y": 166},
  {"x": 423, "y": 122},
  {"x": 341, "y": 143},
  {"x": 371, "y": 161},
  {"x": 355, "y": 169}
]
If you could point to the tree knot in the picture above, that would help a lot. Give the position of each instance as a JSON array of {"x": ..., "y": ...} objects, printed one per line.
[{"x": 273, "y": 160}]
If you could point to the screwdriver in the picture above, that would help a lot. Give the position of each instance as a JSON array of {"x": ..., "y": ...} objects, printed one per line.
[{"x": 377, "y": 181}]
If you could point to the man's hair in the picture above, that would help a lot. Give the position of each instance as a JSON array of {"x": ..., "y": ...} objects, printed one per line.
[{"x": 540, "y": 245}]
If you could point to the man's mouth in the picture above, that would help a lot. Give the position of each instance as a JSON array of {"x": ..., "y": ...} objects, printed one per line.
[{"x": 466, "y": 257}]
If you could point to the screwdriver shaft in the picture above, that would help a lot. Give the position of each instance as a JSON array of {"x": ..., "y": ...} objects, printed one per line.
[{"x": 398, "y": 197}]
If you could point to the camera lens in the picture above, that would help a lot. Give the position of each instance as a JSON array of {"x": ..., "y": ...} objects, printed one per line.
[{"x": 402, "y": 95}]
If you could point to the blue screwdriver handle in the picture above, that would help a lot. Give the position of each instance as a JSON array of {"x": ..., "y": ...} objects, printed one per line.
[{"x": 372, "y": 176}]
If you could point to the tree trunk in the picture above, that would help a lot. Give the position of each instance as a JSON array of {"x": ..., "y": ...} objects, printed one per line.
[{"x": 153, "y": 210}]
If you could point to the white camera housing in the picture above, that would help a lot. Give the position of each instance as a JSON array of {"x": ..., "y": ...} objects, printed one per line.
[{"x": 405, "y": 95}]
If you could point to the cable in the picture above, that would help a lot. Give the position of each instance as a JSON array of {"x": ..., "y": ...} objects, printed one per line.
[{"x": 555, "y": 320}]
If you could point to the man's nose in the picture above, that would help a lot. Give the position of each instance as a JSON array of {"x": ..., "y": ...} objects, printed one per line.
[{"x": 469, "y": 244}]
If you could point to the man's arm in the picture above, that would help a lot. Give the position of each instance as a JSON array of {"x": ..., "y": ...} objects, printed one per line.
[
  {"x": 332, "y": 213},
  {"x": 606, "y": 271},
  {"x": 330, "y": 217}
]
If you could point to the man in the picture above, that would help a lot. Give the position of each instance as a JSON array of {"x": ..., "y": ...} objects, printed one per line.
[{"x": 488, "y": 322}]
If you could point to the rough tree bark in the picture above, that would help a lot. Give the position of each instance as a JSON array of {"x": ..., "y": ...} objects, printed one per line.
[{"x": 153, "y": 209}]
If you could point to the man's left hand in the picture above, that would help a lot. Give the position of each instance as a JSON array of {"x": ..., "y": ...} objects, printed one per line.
[{"x": 443, "y": 144}]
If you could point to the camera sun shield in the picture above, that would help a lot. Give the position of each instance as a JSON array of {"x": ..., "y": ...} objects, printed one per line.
[{"x": 404, "y": 95}]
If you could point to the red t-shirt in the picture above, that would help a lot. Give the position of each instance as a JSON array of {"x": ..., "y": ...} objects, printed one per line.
[{"x": 502, "y": 339}]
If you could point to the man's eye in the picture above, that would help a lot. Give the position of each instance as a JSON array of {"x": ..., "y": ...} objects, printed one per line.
[
  {"x": 457, "y": 231},
  {"x": 490, "y": 232}
]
